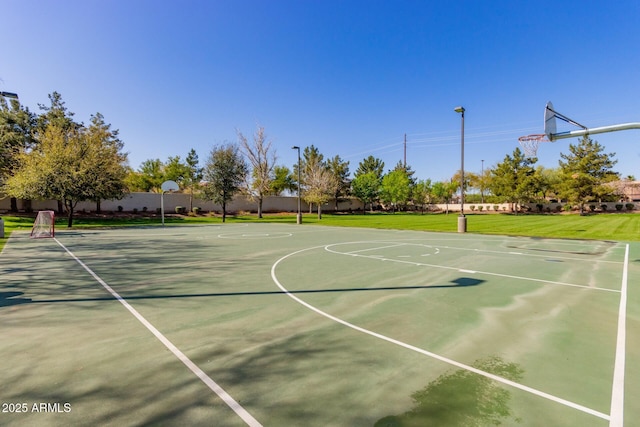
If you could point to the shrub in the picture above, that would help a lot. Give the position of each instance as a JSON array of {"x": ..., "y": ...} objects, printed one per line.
[
  {"x": 158, "y": 210},
  {"x": 472, "y": 207},
  {"x": 592, "y": 208},
  {"x": 120, "y": 208},
  {"x": 567, "y": 207},
  {"x": 196, "y": 210},
  {"x": 618, "y": 207},
  {"x": 558, "y": 208},
  {"x": 496, "y": 208},
  {"x": 144, "y": 209},
  {"x": 135, "y": 210},
  {"x": 547, "y": 209},
  {"x": 539, "y": 206},
  {"x": 480, "y": 208},
  {"x": 630, "y": 206},
  {"x": 603, "y": 207},
  {"x": 180, "y": 209}
]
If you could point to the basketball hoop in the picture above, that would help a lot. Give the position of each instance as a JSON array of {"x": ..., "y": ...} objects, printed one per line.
[{"x": 530, "y": 143}]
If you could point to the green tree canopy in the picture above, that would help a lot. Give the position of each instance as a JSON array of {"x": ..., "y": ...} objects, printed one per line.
[
  {"x": 17, "y": 125},
  {"x": 224, "y": 172},
  {"x": 584, "y": 171},
  {"x": 514, "y": 180},
  {"x": 423, "y": 193},
  {"x": 283, "y": 180},
  {"x": 340, "y": 171},
  {"x": 370, "y": 164},
  {"x": 149, "y": 176},
  {"x": 70, "y": 165},
  {"x": 366, "y": 187},
  {"x": 395, "y": 188},
  {"x": 443, "y": 192}
]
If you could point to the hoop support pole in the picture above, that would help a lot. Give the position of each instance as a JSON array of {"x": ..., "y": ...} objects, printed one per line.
[{"x": 603, "y": 129}]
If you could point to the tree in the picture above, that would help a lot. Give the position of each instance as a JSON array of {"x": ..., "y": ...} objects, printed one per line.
[
  {"x": 443, "y": 192},
  {"x": 585, "y": 170},
  {"x": 340, "y": 171},
  {"x": 422, "y": 193},
  {"x": 16, "y": 134},
  {"x": 55, "y": 114},
  {"x": 549, "y": 180},
  {"x": 283, "y": 180},
  {"x": 193, "y": 175},
  {"x": 367, "y": 181},
  {"x": 224, "y": 172},
  {"x": 110, "y": 164},
  {"x": 395, "y": 188},
  {"x": 175, "y": 170},
  {"x": 148, "y": 177},
  {"x": 262, "y": 160},
  {"x": 370, "y": 164},
  {"x": 366, "y": 187},
  {"x": 311, "y": 158},
  {"x": 320, "y": 183},
  {"x": 70, "y": 165},
  {"x": 513, "y": 180}
]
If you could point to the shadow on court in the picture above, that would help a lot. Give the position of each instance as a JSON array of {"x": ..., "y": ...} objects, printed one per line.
[
  {"x": 9, "y": 298},
  {"x": 6, "y": 298}
]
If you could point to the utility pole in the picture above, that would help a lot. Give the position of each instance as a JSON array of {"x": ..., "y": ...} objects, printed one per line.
[{"x": 405, "y": 151}]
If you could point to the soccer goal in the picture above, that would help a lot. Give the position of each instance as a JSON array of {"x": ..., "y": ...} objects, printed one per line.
[{"x": 44, "y": 225}]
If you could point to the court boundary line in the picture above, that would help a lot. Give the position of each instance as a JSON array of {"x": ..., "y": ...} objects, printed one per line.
[
  {"x": 617, "y": 392},
  {"x": 452, "y": 362},
  {"x": 206, "y": 379},
  {"x": 460, "y": 269},
  {"x": 527, "y": 254}
]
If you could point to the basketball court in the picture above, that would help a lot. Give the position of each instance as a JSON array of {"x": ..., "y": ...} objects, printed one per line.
[{"x": 267, "y": 324}]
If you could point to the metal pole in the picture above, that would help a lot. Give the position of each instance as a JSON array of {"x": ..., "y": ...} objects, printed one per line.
[
  {"x": 162, "y": 206},
  {"x": 462, "y": 220},
  {"x": 482, "y": 182},
  {"x": 462, "y": 167},
  {"x": 299, "y": 216},
  {"x": 603, "y": 129}
]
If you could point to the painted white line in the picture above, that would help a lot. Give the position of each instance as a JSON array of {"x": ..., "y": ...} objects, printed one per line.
[
  {"x": 532, "y": 254},
  {"x": 617, "y": 394},
  {"x": 230, "y": 401},
  {"x": 444, "y": 267},
  {"x": 376, "y": 248},
  {"x": 425, "y": 352}
]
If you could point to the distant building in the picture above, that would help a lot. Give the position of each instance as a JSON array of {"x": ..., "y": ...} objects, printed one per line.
[{"x": 628, "y": 190}]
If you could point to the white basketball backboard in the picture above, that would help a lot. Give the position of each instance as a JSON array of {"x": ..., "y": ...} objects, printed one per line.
[
  {"x": 550, "y": 128},
  {"x": 169, "y": 186}
]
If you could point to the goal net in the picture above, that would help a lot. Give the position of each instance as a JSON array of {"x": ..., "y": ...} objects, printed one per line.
[{"x": 44, "y": 225}]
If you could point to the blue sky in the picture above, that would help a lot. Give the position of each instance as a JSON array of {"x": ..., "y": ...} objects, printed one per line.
[{"x": 350, "y": 77}]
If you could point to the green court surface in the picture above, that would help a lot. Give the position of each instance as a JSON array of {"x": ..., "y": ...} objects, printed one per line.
[{"x": 287, "y": 325}]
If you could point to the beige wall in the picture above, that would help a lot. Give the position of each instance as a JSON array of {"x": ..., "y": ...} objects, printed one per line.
[
  {"x": 171, "y": 200},
  {"x": 271, "y": 204}
]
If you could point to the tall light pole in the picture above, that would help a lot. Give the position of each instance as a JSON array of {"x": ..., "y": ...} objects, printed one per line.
[
  {"x": 482, "y": 181},
  {"x": 462, "y": 220},
  {"x": 299, "y": 216}
]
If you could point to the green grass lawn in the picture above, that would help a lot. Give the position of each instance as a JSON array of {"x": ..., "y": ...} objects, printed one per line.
[{"x": 619, "y": 227}]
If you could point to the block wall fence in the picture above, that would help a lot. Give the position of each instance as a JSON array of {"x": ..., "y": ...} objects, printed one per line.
[{"x": 152, "y": 202}]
